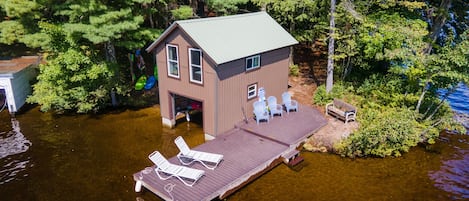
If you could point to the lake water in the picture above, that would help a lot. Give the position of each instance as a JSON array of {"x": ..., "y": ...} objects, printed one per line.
[
  {"x": 93, "y": 157},
  {"x": 459, "y": 100}
]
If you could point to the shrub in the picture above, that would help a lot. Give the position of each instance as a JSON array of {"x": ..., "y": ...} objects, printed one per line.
[
  {"x": 390, "y": 91},
  {"x": 383, "y": 132},
  {"x": 294, "y": 70},
  {"x": 338, "y": 91},
  {"x": 182, "y": 13}
]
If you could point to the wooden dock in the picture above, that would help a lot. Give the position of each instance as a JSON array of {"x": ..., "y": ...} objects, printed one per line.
[{"x": 249, "y": 151}]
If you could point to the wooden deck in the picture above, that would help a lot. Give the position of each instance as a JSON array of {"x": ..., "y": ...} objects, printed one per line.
[
  {"x": 290, "y": 129},
  {"x": 249, "y": 150}
]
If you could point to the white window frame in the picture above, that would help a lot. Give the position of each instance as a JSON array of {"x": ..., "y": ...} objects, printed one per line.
[
  {"x": 252, "y": 66},
  {"x": 192, "y": 66},
  {"x": 169, "y": 61},
  {"x": 252, "y": 91}
]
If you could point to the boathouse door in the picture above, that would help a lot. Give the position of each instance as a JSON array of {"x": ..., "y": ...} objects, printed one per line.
[{"x": 187, "y": 109}]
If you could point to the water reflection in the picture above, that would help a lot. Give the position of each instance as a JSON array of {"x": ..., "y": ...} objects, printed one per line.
[
  {"x": 93, "y": 157},
  {"x": 12, "y": 144},
  {"x": 453, "y": 174}
]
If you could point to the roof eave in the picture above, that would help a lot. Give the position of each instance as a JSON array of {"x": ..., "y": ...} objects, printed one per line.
[
  {"x": 162, "y": 36},
  {"x": 224, "y": 62}
]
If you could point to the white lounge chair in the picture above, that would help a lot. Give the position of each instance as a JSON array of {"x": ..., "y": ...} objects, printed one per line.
[
  {"x": 187, "y": 156},
  {"x": 180, "y": 172},
  {"x": 260, "y": 111},
  {"x": 289, "y": 103},
  {"x": 274, "y": 107}
]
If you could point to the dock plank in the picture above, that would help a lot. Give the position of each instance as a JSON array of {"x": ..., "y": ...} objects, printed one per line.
[{"x": 249, "y": 150}]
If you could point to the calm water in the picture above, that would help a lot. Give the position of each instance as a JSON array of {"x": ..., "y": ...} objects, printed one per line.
[
  {"x": 459, "y": 100},
  {"x": 93, "y": 157}
]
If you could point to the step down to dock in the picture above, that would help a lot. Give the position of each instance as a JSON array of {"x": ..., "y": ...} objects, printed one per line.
[{"x": 292, "y": 158}]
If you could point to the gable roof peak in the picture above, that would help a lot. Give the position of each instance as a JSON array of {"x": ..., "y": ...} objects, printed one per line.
[{"x": 228, "y": 38}]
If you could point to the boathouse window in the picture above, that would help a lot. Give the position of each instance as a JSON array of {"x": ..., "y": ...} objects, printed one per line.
[
  {"x": 173, "y": 60},
  {"x": 252, "y": 91},
  {"x": 253, "y": 62},
  {"x": 195, "y": 65}
]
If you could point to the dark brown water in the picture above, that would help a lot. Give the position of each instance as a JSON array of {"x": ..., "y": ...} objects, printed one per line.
[{"x": 93, "y": 157}]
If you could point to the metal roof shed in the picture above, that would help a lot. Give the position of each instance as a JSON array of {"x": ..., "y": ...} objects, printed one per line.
[
  {"x": 228, "y": 38},
  {"x": 236, "y": 55},
  {"x": 15, "y": 77}
]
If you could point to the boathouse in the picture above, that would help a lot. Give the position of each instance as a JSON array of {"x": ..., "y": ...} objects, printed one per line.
[
  {"x": 15, "y": 81},
  {"x": 217, "y": 65}
]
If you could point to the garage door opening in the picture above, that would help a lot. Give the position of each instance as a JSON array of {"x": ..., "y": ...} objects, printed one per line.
[
  {"x": 187, "y": 110},
  {"x": 3, "y": 100}
]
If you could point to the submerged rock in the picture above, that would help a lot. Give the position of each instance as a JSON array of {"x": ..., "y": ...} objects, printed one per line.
[{"x": 314, "y": 146}]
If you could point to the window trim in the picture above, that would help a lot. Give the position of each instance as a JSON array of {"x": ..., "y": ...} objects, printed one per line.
[
  {"x": 168, "y": 61},
  {"x": 191, "y": 66},
  {"x": 252, "y": 67},
  {"x": 253, "y": 90}
]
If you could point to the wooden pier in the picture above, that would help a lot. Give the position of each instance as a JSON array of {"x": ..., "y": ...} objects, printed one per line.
[{"x": 249, "y": 151}]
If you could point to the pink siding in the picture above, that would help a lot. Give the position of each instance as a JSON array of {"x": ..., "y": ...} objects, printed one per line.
[
  {"x": 224, "y": 88},
  {"x": 183, "y": 86},
  {"x": 232, "y": 96}
]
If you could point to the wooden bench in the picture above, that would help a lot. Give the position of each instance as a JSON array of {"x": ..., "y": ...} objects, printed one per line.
[{"x": 341, "y": 110}]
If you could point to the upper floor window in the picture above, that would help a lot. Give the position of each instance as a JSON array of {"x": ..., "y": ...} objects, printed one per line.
[
  {"x": 173, "y": 60},
  {"x": 253, "y": 62},
  {"x": 195, "y": 65}
]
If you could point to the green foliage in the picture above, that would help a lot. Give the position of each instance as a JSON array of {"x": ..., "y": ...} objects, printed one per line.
[
  {"x": 19, "y": 21},
  {"x": 392, "y": 37},
  {"x": 388, "y": 90},
  {"x": 338, "y": 91},
  {"x": 294, "y": 70},
  {"x": 305, "y": 20},
  {"x": 182, "y": 13},
  {"x": 224, "y": 7},
  {"x": 388, "y": 131},
  {"x": 72, "y": 82},
  {"x": 80, "y": 72},
  {"x": 106, "y": 27},
  {"x": 10, "y": 32},
  {"x": 19, "y": 8}
]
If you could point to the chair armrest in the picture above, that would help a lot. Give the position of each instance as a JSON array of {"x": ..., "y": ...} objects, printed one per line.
[{"x": 327, "y": 106}]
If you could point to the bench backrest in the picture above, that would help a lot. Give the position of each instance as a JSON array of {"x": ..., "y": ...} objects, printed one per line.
[{"x": 340, "y": 104}]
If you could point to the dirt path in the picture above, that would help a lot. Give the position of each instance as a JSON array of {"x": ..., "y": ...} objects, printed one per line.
[{"x": 312, "y": 74}]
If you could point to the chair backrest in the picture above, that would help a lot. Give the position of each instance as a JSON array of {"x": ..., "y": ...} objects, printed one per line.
[
  {"x": 342, "y": 105},
  {"x": 259, "y": 106},
  {"x": 261, "y": 94},
  {"x": 272, "y": 101},
  {"x": 182, "y": 145},
  {"x": 159, "y": 160},
  {"x": 286, "y": 98}
]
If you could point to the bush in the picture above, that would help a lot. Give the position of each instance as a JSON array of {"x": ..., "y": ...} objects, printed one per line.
[
  {"x": 390, "y": 91},
  {"x": 182, "y": 13},
  {"x": 338, "y": 91},
  {"x": 294, "y": 70},
  {"x": 383, "y": 132}
]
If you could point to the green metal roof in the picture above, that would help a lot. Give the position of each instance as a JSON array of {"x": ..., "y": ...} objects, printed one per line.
[{"x": 228, "y": 38}]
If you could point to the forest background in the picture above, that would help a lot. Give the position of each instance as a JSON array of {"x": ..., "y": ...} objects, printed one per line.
[{"x": 397, "y": 61}]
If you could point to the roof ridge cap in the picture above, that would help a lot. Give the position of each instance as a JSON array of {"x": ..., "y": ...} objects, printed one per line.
[{"x": 217, "y": 18}]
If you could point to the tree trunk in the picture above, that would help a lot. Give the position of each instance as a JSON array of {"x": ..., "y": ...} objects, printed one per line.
[
  {"x": 110, "y": 52},
  {"x": 201, "y": 8},
  {"x": 292, "y": 28},
  {"x": 131, "y": 62},
  {"x": 111, "y": 57},
  {"x": 437, "y": 23},
  {"x": 419, "y": 103},
  {"x": 330, "y": 58},
  {"x": 452, "y": 90}
]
